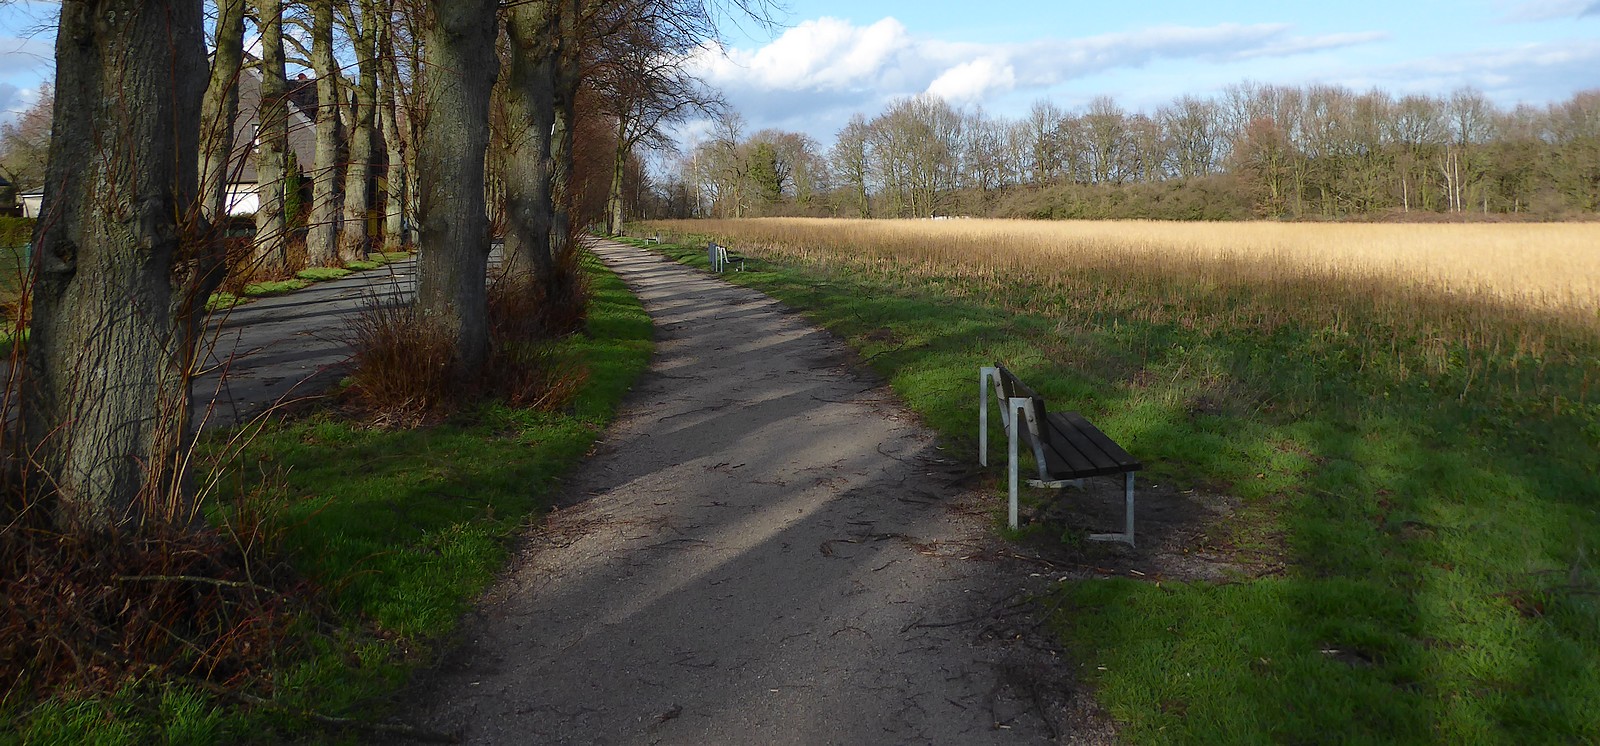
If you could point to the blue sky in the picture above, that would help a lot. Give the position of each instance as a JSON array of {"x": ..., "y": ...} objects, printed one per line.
[{"x": 832, "y": 58}]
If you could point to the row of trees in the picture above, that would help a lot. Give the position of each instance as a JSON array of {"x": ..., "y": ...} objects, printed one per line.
[
  {"x": 481, "y": 106},
  {"x": 1317, "y": 151}
]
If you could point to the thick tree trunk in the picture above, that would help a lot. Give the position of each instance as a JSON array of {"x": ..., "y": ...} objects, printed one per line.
[
  {"x": 270, "y": 255},
  {"x": 322, "y": 233},
  {"x": 530, "y": 102},
  {"x": 119, "y": 282},
  {"x": 461, "y": 67},
  {"x": 218, "y": 110},
  {"x": 394, "y": 237},
  {"x": 353, "y": 236}
]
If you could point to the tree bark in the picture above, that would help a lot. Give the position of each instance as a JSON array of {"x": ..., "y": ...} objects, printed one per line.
[
  {"x": 219, "y": 109},
  {"x": 619, "y": 163},
  {"x": 567, "y": 77},
  {"x": 460, "y": 71},
  {"x": 322, "y": 233},
  {"x": 394, "y": 237},
  {"x": 121, "y": 279},
  {"x": 530, "y": 210},
  {"x": 353, "y": 235},
  {"x": 270, "y": 255}
]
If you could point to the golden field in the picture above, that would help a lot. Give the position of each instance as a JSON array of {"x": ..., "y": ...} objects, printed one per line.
[{"x": 1544, "y": 266}]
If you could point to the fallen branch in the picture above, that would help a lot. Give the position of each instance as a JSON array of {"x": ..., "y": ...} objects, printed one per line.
[{"x": 193, "y": 579}]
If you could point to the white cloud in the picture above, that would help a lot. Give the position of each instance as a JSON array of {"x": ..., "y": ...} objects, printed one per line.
[
  {"x": 829, "y": 54},
  {"x": 824, "y": 54},
  {"x": 969, "y": 81},
  {"x": 1533, "y": 73},
  {"x": 814, "y": 75}
]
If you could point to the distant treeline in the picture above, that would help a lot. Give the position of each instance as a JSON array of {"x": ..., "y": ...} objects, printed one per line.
[{"x": 1318, "y": 152}]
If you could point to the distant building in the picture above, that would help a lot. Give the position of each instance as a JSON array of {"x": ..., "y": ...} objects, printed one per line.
[
  {"x": 31, "y": 202},
  {"x": 243, "y": 197}
]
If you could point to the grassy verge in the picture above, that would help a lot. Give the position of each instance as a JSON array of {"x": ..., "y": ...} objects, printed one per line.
[
  {"x": 1435, "y": 514},
  {"x": 400, "y": 529},
  {"x": 306, "y": 278}
]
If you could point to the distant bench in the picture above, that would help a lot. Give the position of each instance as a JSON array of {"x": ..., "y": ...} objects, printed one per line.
[
  {"x": 721, "y": 260},
  {"x": 1065, "y": 446}
]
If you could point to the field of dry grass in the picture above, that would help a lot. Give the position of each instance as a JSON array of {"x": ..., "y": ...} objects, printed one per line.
[
  {"x": 1480, "y": 292},
  {"x": 1553, "y": 266}
]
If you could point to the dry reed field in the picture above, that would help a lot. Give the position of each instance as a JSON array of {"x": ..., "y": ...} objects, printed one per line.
[{"x": 1546, "y": 266}]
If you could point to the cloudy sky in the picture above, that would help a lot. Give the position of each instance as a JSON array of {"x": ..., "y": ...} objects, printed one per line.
[
  {"x": 836, "y": 57},
  {"x": 831, "y": 58}
]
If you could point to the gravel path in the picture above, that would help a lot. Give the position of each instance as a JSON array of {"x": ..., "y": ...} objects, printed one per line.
[{"x": 765, "y": 548}]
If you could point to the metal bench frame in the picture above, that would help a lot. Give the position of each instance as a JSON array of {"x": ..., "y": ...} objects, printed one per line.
[
  {"x": 1019, "y": 412},
  {"x": 721, "y": 259}
]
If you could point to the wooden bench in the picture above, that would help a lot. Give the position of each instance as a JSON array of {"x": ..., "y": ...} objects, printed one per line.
[
  {"x": 1066, "y": 448},
  {"x": 721, "y": 260}
]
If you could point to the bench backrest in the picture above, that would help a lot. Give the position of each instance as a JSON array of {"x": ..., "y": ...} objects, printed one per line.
[{"x": 1012, "y": 387}]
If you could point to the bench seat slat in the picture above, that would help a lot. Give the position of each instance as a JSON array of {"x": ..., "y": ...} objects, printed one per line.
[
  {"x": 1092, "y": 442},
  {"x": 1062, "y": 458},
  {"x": 1081, "y": 450}
]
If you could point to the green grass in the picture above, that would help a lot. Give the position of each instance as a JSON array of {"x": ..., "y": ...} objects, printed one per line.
[
  {"x": 401, "y": 529},
  {"x": 275, "y": 287},
  {"x": 1437, "y": 530},
  {"x": 323, "y": 274}
]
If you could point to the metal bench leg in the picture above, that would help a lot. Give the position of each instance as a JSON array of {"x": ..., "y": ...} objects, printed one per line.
[
  {"x": 983, "y": 416},
  {"x": 1011, "y": 450},
  {"x": 1127, "y": 519}
]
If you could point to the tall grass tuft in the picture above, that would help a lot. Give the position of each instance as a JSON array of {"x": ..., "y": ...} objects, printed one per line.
[
  {"x": 404, "y": 367},
  {"x": 525, "y": 369}
]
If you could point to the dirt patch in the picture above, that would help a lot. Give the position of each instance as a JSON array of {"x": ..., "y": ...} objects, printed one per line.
[{"x": 1181, "y": 535}]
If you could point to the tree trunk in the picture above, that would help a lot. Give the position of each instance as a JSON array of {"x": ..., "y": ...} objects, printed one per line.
[
  {"x": 323, "y": 231},
  {"x": 270, "y": 255},
  {"x": 567, "y": 80},
  {"x": 219, "y": 109},
  {"x": 619, "y": 164},
  {"x": 461, "y": 67},
  {"x": 120, "y": 282},
  {"x": 530, "y": 102},
  {"x": 353, "y": 236},
  {"x": 394, "y": 238}
]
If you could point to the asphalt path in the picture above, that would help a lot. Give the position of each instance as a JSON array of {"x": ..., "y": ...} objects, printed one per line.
[
  {"x": 285, "y": 349},
  {"x": 766, "y": 547}
]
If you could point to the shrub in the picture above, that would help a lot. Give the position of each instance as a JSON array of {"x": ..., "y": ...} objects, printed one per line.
[{"x": 402, "y": 366}]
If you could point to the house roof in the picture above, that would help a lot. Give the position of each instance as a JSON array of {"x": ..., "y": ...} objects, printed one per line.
[{"x": 302, "y": 135}]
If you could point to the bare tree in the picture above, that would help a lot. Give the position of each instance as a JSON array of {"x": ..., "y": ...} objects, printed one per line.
[
  {"x": 361, "y": 27},
  {"x": 121, "y": 281},
  {"x": 390, "y": 96},
  {"x": 270, "y": 249},
  {"x": 321, "y": 247},
  {"x": 1193, "y": 129},
  {"x": 851, "y": 163},
  {"x": 219, "y": 109},
  {"x": 25, "y": 143},
  {"x": 644, "y": 87}
]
